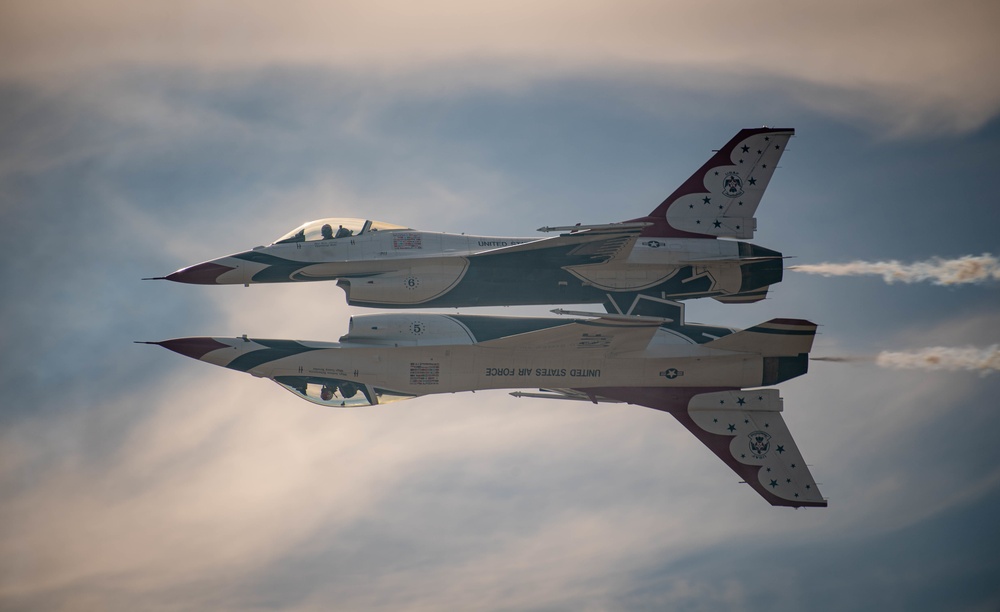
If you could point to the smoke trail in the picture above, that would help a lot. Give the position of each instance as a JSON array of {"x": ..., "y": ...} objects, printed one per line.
[
  {"x": 984, "y": 361},
  {"x": 968, "y": 269},
  {"x": 949, "y": 358}
]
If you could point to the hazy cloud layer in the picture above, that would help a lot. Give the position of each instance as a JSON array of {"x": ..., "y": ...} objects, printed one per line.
[
  {"x": 133, "y": 478},
  {"x": 908, "y": 67}
]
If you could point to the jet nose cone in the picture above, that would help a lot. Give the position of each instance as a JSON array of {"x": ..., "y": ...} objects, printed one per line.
[
  {"x": 202, "y": 274},
  {"x": 196, "y": 348}
]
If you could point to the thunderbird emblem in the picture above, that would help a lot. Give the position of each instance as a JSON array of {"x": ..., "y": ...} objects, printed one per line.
[
  {"x": 732, "y": 185},
  {"x": 760, "y": 443}
]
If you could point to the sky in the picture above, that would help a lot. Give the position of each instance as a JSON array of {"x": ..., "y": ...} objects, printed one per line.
[{"x": 138, "y": 138}]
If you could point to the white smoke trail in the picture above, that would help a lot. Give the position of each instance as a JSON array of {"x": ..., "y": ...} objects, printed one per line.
[
  {"x": 985, "y": 360},
  {"x": 968, "y": 269},
  {"x": 970, "y": 358}
]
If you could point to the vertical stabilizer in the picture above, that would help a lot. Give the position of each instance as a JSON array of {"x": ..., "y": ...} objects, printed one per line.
[
  {"x": 774, "y": 338},
  {"x": 720, "y": 199},
  {"x": 746, "y": 430}
]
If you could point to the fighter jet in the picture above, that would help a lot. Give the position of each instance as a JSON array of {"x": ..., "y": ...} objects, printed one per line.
[
  {"x": 678, "y": 251},
  {"x": 707, "y": 377}
]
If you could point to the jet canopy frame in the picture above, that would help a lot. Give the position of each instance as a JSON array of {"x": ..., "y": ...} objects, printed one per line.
[{"x": 332, "y": 228}]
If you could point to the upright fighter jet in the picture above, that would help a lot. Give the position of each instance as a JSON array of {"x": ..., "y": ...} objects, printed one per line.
[
  {"x": 706, "y": 377},
  {"x": 674, "y": 252}
]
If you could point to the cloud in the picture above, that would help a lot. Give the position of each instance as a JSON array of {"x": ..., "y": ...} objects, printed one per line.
[
  {"x": 923, "y": 69},
  {"x": 222, "y": 477},
  {"x": 189, "y": 494}
]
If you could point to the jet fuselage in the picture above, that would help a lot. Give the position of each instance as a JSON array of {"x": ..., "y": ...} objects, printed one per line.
[
  {"x": 429, "y": 353},
  {"x": 407, "y": 268},
  {"x": 689, "y": 246},
  {"x": 699, "y": 374}
]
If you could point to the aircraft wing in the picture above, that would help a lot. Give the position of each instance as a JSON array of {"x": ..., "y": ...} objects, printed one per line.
[
  {"x": 574, "y": 395},
  {"x": 617, "y": 335},
  {"x": 598, "y": 243},
  {"x": 745, "y": 429}
]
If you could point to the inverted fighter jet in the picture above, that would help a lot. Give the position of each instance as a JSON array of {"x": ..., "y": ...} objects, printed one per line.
[
  {"x": 678, "y": 251},
  {"x": 707, "y": 377}
]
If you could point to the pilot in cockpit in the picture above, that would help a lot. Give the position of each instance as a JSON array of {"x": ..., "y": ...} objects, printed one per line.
[{"x": 327, "y": 231}]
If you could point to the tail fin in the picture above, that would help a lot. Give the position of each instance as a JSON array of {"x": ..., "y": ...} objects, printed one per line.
[
  {"x": 775, "y": 338},
  {"x": 783, "y": 343},
  {"x": 746, "y": 430},
  {"x": 719, "y": 200}
]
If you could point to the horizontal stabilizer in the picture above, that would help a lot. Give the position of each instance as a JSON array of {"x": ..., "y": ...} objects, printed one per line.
[
  {"x": 743, "y": 297},
  {"x": 746, "y": 430},
  {"x": 775, "y": 338},
  {"x": 602, "y": 334}
]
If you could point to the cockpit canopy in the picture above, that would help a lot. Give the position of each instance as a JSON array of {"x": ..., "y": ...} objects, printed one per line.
[
  {"x": 333, "y": 228},
  {"x": 337, "y": 393}
]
